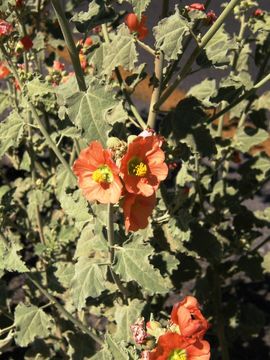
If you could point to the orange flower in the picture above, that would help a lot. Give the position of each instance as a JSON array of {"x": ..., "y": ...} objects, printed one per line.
[
  {"x": 172, "y": 346},
  {"x": 187, "y": 315},
  {"x": 98, "y": 174},
  {"x": 143, "y": 166},
  {"x": 4, "y": 71},
  {"x": 137, "y": 26},
  {"x": 137, "y": 209}
]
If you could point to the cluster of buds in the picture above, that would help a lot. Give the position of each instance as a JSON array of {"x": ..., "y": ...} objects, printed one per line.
[
  {"x": 181, "y": 338},
  {"x": 244, "y": 7},
  {"x": 210, "y": 15},
  {"x": 137, "y": 26},
  {"x": 57, "y": 73}
]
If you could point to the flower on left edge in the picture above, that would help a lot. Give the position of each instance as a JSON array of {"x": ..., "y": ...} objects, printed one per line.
[
  {"x": 5, "y": 28},
  {"x": 98, "y": 174}
]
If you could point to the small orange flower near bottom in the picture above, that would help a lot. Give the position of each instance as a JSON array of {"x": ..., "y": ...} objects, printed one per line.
[
  {"x": 98, "y": 174},
  {"x": 4, "y": 71},
  {"x": 137, "y": 209},
  {"x": 172, "y": 346}
]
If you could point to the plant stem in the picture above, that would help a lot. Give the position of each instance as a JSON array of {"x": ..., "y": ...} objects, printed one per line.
[
  {"x": 110, "y": 232},
  {"x": 63, "y": 311},
  {"x": 42, "y": 128},
  {"x": 265, "y": 241},
  {"x": 122, "y": 83},
  {"x": 34, "y": 178},
  {"x": 73, "y": 52},
  {"x": 159, "y": 61},
  {"x": 221, "y": 121},
  {"x": 204, "y": 41},
  {"x": 241, "y": 98},
  {"x": 7, "y": 329},
  {"x": 145, "y": 47}
]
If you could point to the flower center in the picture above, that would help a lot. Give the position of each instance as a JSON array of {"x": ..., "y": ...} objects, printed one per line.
[
  {"x": 103, "y": 175},
  {"x": 178, "y": 355},
  {"x": 137, "y": 167}
]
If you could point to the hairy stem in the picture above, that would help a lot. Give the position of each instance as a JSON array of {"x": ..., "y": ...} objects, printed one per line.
[
  {"x": 159, "y": 60},
  {"x": 122, "y": 84},
  {"x": 73, "y": 52},
  {"x": 63, "y": 311},
  {"x": 110, "y": 232},
  {"x": 204, "y": 41}
]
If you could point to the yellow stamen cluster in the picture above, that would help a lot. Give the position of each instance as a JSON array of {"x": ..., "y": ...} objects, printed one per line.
[
  {"x": 137, "y": 167},
  {"x": 178, "y": 355},
  {"x": 103, "y": 175}
]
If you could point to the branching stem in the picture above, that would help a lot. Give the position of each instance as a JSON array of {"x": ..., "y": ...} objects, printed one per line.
[
  {"x": 42, "y": 128},
  {"x": 73, "y": 52},
  {"x": 206, "y": 38}
]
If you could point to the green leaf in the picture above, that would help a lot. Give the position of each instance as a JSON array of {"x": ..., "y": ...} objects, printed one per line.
[
  {"x": 126, "y": 315},
  {"x": 64, "y": 181},
  {"x": 65, "y": 273},
  {"x": 266, "y": 262},
  {"x": 121, "y": 51},
  {"x": 11, "y": 131},
  {"x": 263, "y": 102},
  {"x": 204, "y": 91},
  {"x": 88, "y": 111},
  {"x": 170, "y": 34},
  {"x": 103, "y": 354},
  {"x": 31, "y": 322},
  {"x": 91, "y": 240},
  {"x": 96, "y": 14},
  {"x": 171, "y": 261},
  {"x": 248, "y": 137},
  {"x": 263, "y": 165},
  {"x": 132, "y": 264},
  {"x": 217, "y": 51},
  {"x": 4, "y": 101},
  {"x": 116, "y": 349},
  {"x": 10, "y": 260},
  {"x": 139, "y": 6},
  {"x": 89, "y": 280},
  {"x": 75, "y": 206},
  {"x": 38, "y": 90}
]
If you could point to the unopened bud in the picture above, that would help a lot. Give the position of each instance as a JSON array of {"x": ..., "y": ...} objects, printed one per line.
[{"x": 113, "y": 142}]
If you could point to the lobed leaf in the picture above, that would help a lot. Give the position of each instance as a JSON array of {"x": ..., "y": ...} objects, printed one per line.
[
  {"x": 170, "y": 34},
  {"x": 132, "y": 264},
  {"x": 31, "y": 322}
]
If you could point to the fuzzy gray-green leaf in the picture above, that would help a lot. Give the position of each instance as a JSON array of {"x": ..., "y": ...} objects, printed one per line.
[
  {"x": 170, "y": 34},
  {"x": 88, "y": 111},
  {"x": 31, "y": 322}
]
